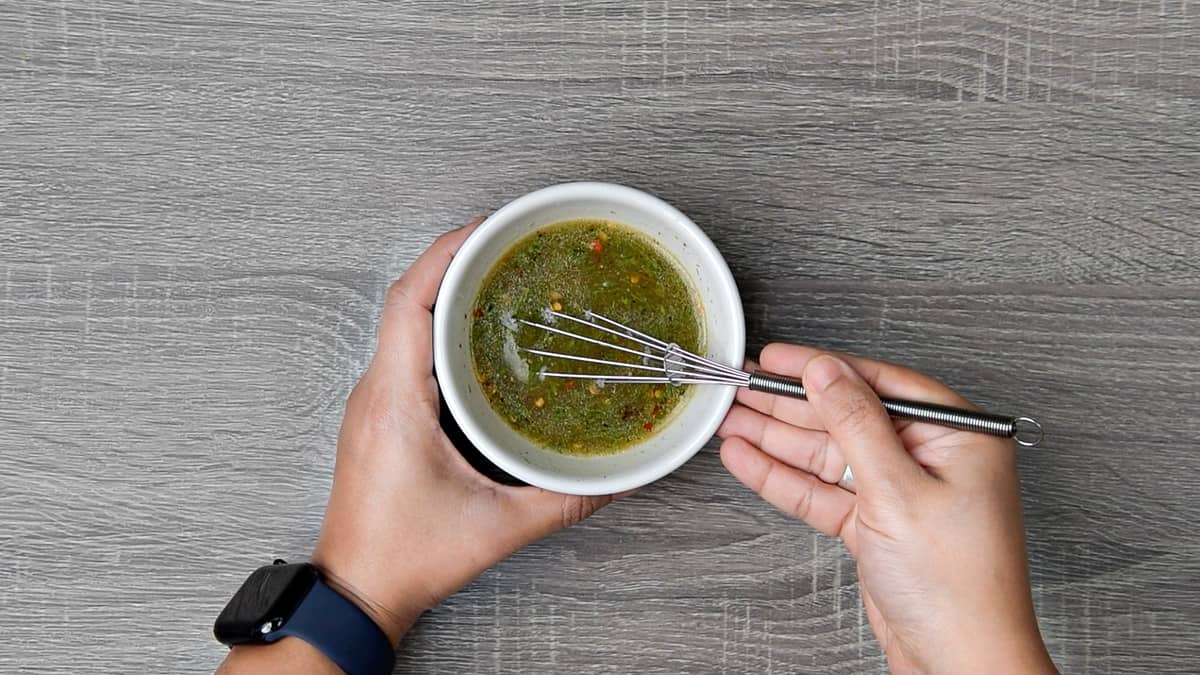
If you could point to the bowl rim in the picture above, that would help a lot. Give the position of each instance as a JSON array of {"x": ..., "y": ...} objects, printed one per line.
[{"x": 531, "y": 201}]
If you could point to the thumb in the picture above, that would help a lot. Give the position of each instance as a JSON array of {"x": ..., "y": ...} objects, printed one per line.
[
  {"x": 547, "y": 512},
  {"x": 853, "y": 416}
]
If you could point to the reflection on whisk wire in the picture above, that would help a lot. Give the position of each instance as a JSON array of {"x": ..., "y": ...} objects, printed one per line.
[{"x": 668, "y": 363}]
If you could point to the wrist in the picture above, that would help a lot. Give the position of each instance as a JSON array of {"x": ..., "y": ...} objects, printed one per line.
[
  {"x": 395, "y": 595},
  {"x": 1001, "y": 652},
  {"x": 1020, "y": 654},
  {"x": 391, "y": 613}
]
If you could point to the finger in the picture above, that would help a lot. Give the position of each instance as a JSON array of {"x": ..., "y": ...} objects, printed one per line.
[
  {"x": 543, "y": 512},
  {"x": 938, "y": 447},
  {"x": 406, "y": 325},
  {"x": 804, "y": 449},
  {"x": 887, "y": 379},
  {"x": 850, "y": 410},
  {"x": 802, "y": 495},
  {"x": 921, "y": 439}
]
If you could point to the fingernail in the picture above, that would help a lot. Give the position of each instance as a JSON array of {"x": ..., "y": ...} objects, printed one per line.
[{"x": 824, "y": 371}]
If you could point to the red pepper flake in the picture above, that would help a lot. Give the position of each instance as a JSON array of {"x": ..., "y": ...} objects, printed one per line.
[
  {"x": 478, "y": 312},
  {"x": 596, "y": 246},
  {"x": 648, "y": 426},
  {"x": 655, "y": 410},
  {"x": 569, "y": 384}
]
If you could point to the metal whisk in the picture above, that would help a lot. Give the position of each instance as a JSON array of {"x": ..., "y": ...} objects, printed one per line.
[{"x": 668, "y": 363}]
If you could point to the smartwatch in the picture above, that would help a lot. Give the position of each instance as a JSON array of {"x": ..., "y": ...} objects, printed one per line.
[{"x": 282, "y": 600}]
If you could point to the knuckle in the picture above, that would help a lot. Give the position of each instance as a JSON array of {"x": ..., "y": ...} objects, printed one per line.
[
  {"x": 397, "y": 292},
  {"x": 820, "y": 458},
  {"x": 843, "y": 523},
  {"x": 854, "y": 411},
  {"x": 803, "y": 503},
  {"x": 372, "y": 406},
  {"x": 378, "y": 415},
  {"x": 359, "y": 395},
  {"x": 574, "y": 510},
  {"x": 764, "y": 478},
  {"x": 444, "y": 238}
]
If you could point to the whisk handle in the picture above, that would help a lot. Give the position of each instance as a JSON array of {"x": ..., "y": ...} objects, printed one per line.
[
  {"x": 780, "y": 385},
  {"x": 1025, "y": 431}
]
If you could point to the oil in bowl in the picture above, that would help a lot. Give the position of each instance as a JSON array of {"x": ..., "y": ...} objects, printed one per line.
[{"x": 573, "y": 267}]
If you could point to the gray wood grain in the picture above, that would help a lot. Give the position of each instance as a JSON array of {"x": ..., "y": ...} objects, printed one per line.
[{"x": 201, "y": 204}]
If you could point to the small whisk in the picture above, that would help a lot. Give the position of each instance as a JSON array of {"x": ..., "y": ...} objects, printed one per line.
[{"x": 668, "y": 363}]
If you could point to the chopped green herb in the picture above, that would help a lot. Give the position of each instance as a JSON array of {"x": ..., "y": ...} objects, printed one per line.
[{"x": 572, "y": 267}]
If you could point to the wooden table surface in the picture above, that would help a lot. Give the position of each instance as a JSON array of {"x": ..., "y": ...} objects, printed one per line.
[{"x": 201, "y": 204}]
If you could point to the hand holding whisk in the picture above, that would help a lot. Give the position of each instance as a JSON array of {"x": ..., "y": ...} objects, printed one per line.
[{"x": 667, "y": 363}]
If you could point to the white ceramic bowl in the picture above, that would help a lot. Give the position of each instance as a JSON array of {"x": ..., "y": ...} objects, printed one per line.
[{"x": 688, "y": 428}]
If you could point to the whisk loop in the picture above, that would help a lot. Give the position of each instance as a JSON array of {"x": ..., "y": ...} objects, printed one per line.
[{"x": 667, "y": 363}]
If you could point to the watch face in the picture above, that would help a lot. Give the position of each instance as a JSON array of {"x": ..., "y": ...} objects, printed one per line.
[{"x": 264, "y": 602}]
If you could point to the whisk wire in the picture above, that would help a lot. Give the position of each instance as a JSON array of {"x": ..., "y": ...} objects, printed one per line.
[
  {"x": 627, "y": 333},
  {"x": 567, "y": 333},
  {"x": 589, "y": 359},
  {"x": 694, "y": 358},
  {"x": 680, "y": 366}
]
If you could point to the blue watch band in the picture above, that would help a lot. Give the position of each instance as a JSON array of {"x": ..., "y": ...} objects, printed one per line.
[{"x": 341, "y": 631}]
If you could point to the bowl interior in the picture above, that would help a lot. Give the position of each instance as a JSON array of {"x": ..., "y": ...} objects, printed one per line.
[{"x": 695, "y": 419}]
